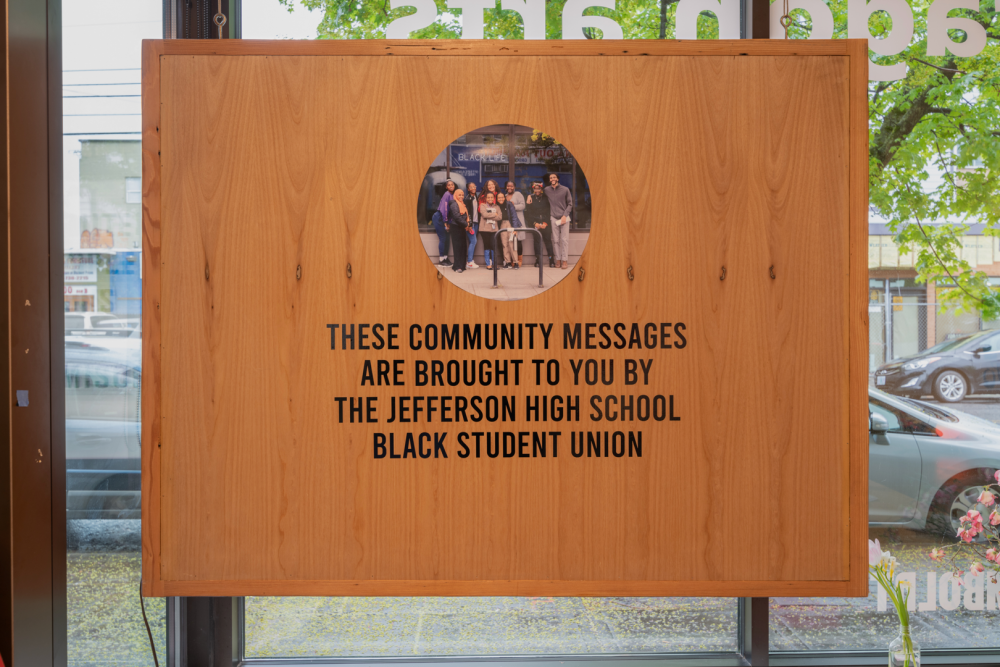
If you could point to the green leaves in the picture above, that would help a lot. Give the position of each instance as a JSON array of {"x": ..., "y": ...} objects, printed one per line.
[
  {"x": 367, "y": 19},
  {"x": 934, "y": 142},
  {"x": 934, "y": 151}
]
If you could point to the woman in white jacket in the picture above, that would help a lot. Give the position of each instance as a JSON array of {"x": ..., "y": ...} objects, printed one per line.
[{"x": 517, "y": 199}]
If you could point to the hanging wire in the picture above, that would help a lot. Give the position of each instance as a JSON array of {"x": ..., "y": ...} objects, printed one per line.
[
  {"x": 786, "y": 19},
  {"x": 149, "y": 633},
  {"x": 220, "y": 19}
]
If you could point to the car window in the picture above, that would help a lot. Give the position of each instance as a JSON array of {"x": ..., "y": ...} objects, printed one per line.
[
  {"x": 993, "y": 342},
  {"x": 891, "y": 416},
  {"x": 929, "y": 410},
  {"x": 948, "y": 345},
  {"x": 899, "y": 420},
  {"x": 98, "y": 320},
  {"x": 107, "y": 323},
  {"x": 74, "y": 322}
]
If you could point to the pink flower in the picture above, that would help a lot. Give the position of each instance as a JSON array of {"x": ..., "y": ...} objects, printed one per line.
[
  {"x": 995, "y": 518},
  {"x": 986, "y": 498},
  {"x": 937, "y": 554},
  {"x": 966, "y": 535},
  {"x": 977, "y": 568},
  {"x": 976, "y": 519},
  {"x": 996, "y": 476},
  {"x": 874, "y": 553},
  {"x": 958, "y": 574},
  {"x": 991, "y": 554}
]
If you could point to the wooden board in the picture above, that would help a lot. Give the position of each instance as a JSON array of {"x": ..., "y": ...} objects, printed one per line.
[{"x": 263, "y": 160}]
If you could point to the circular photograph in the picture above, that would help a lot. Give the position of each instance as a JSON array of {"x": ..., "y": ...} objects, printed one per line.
[{"x": 504, "y": 212}]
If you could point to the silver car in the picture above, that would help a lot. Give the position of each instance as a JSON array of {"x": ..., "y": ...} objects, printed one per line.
[{"x": 927, "y": 465}]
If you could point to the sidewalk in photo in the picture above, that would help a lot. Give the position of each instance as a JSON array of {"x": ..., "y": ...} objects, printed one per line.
[{"x": 512, "y": 284}]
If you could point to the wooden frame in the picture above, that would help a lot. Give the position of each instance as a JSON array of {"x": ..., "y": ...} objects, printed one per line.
[{"x": 850, "y": 572}]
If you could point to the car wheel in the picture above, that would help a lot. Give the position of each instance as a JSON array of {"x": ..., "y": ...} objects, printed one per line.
[
  {"x": 953, "y": 501},
  {"x": 950, "y": 387},
  {"x": 111, "y": 507}
]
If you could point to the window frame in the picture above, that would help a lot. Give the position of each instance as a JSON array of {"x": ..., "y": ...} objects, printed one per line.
[{"x": 33, "y": 615}]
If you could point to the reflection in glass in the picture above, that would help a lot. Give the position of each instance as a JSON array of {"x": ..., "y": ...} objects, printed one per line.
[
  {"x": 103, "y": 339},
  {"x": 925, "y": 471}
]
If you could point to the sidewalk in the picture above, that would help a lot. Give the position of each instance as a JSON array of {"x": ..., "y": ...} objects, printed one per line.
[{"x": 511, "y": 284}]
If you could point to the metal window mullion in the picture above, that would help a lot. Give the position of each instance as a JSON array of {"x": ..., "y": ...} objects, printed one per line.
[
  {"x": 889, "y": 353},
  {"x": 193, "y": 19},
  {"x": 755, "y": 19},
  {"x": 754, "y": 631}
]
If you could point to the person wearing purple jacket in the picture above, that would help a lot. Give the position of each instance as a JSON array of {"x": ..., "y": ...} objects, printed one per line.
[{"x": 440, "y": 221}]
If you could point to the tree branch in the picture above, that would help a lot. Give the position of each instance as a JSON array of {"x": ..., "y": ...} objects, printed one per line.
[
  {"x": 930, "y": 244},
  {"x": 881, "y": 88},
  {"x": 901, "y": 120},
  {"x": 943, "y": 69}
]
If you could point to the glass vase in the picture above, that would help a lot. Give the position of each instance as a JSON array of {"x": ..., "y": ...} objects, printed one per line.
[{"x": 903, "y": 651}]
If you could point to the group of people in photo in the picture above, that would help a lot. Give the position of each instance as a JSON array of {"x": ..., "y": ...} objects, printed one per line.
[{"x": 468, "y": 217}]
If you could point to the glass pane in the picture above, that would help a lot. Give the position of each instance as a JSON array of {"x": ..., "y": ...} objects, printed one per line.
[
  {"x": 927, "y": 470},
  {"x": 314, "y": 627},
  {"x": 103, "y": 307},
  {"x": 940, "y": 399},
  {"x": 483, "y": 626}
]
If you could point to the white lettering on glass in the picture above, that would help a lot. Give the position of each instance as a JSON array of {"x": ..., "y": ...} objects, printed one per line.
[
  {"x": 532, "y": 16},
  {"x": 532, "y": 12},
  {"x": 975, "y": 590},
  {"x": 992, "y": 593},
  {"x": 972, "y": 592},
  {"x": 930, "y": 604},
  {"x": 472, "y": 16},
  {"x": 882, "y": 597},
  {"x": 573, "y": 20},
  {"x": 949, "y": 592},
  {"x": 727, "y": 11},
  {"x": 401, "y": 28},
  {"x": 938, "y": 25},
  {"x": 898, "y": 38}
]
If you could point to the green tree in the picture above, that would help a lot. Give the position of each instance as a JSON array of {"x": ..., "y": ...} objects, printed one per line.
[
  {"x": 934, "y": 150},
  {"x": 367, "y": 19},
  {"x": 934, "y": 140}
]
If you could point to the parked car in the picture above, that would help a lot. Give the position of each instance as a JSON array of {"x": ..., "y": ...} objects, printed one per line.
[
  {"x": 79, "y": 321},
  {"x": 926, "y": 464},
  {"x": 951, "y": 370},
  {"x": 102, "y": 430}
]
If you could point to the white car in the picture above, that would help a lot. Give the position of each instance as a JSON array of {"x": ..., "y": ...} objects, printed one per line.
[{"x": 77, "y": 321}]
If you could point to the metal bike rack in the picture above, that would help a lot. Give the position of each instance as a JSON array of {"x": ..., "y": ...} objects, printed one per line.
[{"x": 538, "y": 247}]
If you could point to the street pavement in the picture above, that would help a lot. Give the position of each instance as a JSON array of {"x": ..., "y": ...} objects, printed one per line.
[
  {"x": 105, "y": 626},
  {"x": 512, "y": 284},
  {"x": 986, "y": 407},
  {"x": 476, "y": 626}
]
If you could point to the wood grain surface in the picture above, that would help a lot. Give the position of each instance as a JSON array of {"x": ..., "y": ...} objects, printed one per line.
[{"x": 261, "y": 158}]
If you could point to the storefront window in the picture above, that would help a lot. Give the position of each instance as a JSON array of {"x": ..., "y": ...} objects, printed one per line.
[
  {"x": 103, "y": 309},
  {"x": 925, "y": 470},
  {"x": 278, "y": 627}
]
